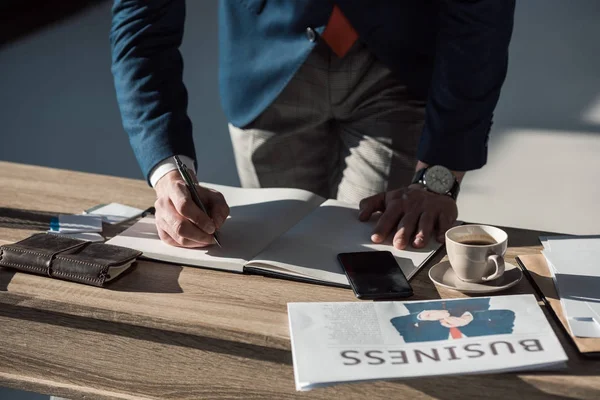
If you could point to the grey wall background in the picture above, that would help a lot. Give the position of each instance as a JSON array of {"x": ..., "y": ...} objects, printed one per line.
[
  {"x": 58, "y": 109},
  {"x": 58, "y": 106}
]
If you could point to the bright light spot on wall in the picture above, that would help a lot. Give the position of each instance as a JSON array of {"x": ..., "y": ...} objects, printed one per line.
[{"x": 592, "y": 114}]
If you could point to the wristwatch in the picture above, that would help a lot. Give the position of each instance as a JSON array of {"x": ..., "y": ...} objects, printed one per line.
[{"x": 438, "y": 179}]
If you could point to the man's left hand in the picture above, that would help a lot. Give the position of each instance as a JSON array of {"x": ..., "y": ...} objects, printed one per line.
[{"x": 412, "y": 215}]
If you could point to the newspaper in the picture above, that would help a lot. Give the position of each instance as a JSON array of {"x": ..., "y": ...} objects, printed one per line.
[{"x": 348, "y": 342}]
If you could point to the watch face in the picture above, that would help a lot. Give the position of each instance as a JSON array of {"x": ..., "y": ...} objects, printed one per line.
[{"x": 439, "y": 179}]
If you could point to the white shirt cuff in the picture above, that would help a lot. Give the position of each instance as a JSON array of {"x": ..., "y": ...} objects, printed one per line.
[{"x": 168, "y": 165}]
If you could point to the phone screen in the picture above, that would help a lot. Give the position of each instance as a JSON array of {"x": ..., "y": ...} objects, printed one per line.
[{"x": 375, "y": 274}]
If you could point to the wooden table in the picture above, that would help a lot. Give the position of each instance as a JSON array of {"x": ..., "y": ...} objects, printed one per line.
[{"x": 166, "y": 331}]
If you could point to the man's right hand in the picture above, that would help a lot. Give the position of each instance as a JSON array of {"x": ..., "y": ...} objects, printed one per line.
[{"x": 179, "y": 221}]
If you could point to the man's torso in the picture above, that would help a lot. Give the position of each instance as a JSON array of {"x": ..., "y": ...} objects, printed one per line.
[{"x": 264, "y": 42}]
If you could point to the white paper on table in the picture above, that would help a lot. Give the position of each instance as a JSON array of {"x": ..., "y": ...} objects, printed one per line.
[
  {"x": 575, "y": 266},
  {"x": 114, "y": 213},
  {"x": 76, "y": 224},
  {"x": 585, "y": 327}
]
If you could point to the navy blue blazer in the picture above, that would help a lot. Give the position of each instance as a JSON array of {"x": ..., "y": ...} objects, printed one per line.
[{"x": 451, "y": 53}]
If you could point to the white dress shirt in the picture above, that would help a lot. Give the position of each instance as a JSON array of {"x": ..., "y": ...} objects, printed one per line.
[{"x": 168, "y": 165}]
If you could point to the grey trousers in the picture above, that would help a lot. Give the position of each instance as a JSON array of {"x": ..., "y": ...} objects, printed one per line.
[{"x": 342, "y": 128}]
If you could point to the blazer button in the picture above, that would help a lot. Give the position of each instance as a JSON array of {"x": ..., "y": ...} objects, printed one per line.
[{"x": 311, "y": 34}]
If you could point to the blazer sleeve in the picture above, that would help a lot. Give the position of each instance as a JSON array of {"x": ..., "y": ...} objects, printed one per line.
[
  {"x": 148, "y": 76},
  {"x": 470, "y": 67}
]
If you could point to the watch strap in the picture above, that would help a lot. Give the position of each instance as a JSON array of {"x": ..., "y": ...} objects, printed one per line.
[
  {"x": 455, "y": 189},
  {"x": 418, "y": 176}
]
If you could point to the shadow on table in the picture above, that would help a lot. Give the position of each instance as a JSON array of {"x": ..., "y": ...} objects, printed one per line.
[
  {"x": 149, "y": 277},
  {"x": 580, "y": 287},
  {"x": 6, "y": 276},
  {"x": 14, "y": 218},
  {"x": 575, "y": 287},
  {"x": 475, "y": 387},
  {"x": 146, "y": 333},
  {"x": 543, "y": 285}
]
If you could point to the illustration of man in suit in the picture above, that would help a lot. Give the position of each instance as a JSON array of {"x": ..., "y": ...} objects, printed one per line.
[{"x": 442, "y": 320}]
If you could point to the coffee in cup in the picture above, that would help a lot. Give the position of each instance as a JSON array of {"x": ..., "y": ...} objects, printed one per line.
[{"x": 476, "y": 252}]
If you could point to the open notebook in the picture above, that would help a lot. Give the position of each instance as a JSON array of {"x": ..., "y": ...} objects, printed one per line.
[{"x": 289, "y": 233}]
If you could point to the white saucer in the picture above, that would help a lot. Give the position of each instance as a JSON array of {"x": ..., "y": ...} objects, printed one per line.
[{"x": 442, "y": 275}]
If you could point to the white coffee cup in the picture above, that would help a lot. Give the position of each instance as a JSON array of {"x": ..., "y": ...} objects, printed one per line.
[{"x": 476, "y": 252}]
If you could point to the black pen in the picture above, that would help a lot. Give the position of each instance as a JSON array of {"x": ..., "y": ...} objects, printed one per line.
[{"x": 192, "y": 189}]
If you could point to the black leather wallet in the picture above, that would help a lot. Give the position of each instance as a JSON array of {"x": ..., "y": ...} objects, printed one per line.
[{"x": 66, "y": 258}]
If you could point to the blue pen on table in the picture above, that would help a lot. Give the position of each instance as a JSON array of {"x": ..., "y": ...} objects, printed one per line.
[{"x": 191, "y": 187}]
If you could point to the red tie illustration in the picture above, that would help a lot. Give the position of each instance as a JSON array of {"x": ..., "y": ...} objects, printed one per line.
[
  {"x": 455, "y": 333},
  {"x": 339, "y": 34}
]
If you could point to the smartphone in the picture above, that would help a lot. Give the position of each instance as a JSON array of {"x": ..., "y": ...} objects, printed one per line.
[{"x": 375, "y": 275}]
